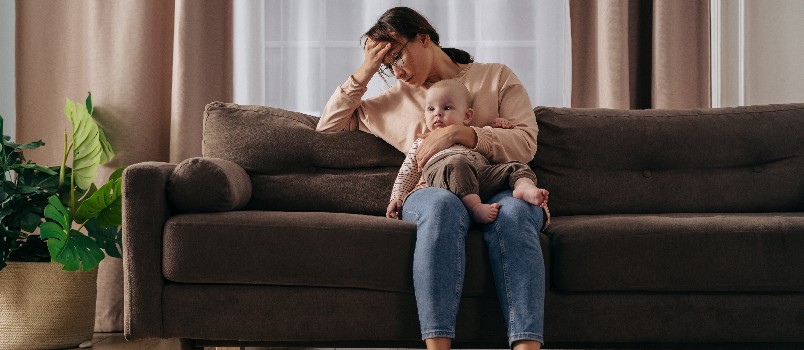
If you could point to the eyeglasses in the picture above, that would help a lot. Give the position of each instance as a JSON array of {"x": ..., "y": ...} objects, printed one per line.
[{"x": 396, "y": 61}]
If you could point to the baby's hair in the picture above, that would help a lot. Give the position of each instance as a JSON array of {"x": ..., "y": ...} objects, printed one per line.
[{"x": 456, "y": 85}]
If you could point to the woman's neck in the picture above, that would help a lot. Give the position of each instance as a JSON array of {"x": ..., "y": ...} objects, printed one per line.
[{"x": 443, "y": 67}]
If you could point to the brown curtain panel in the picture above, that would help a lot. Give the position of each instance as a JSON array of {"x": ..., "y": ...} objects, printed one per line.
[
  {"x": 639, "y": 54},
  {"x": 151, "y": 65}
]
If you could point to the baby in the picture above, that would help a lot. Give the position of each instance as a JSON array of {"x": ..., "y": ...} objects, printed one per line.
[{"x": 459, "y": 169}]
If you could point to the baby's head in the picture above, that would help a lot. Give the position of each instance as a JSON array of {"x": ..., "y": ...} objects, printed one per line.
[{"x": 447, "y": 102}]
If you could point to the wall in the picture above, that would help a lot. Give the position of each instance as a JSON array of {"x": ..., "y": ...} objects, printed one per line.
[
  {"x": 7, "y": 87},
  {"x": 773, "y": 52}
]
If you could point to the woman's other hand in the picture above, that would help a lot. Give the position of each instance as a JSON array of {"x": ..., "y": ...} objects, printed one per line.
[
  {"x": 373, "y": 54},
  {"x": 392, "y": 212},
  {"x": 443, "y": 138}
]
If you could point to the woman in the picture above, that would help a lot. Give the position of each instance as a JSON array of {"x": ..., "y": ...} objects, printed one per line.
[{"x": 404, "y": 44}]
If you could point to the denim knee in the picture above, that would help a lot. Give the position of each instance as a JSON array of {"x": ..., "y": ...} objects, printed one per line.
[
  {"x": 516, "y": 210},
  {"x": 517, "y": 266},
  {"x": 439, "y": 258},
  {"x": 432, "y": 203}
]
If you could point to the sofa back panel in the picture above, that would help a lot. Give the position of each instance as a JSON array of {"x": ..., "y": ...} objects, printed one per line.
[
  {"x": 605, "y": 161},
  {"x": 269, "y": 140},
  {"x": 317, "y": 317},
  {"x": 678, "y": 252}
]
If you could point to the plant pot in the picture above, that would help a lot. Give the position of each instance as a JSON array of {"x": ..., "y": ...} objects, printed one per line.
[{"x": 44, "y": 307}]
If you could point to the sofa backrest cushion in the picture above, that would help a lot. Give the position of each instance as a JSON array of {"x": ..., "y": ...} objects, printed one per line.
[
  {"x": 295, "y": 168},
  {"x": 605, "y": 161}
]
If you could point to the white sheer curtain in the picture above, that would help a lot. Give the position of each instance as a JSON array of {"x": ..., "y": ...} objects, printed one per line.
[
  {"x": 7, "y": 84},
  {"x": 292, "y": 54}
]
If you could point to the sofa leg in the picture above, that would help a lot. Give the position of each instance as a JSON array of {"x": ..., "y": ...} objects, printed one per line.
[{"x": 187, "y": 344}]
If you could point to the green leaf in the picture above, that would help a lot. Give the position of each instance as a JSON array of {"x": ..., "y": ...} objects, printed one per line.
[
  {"x": 88, "y": 252},
  {"x": 56, "y": 237},
  {"x": 106, "y": 148},
  {"x": 89, "y": 102},
  {"x": 4, "y": 211},
  {"x": 117, "y": 174},
  {"x": 109, "y": 239},
  {"x": 105, "y": 205},
  {"x": 69, "y": 247},
  {"x": 29, "y": 145},
  {"x": 55, "y": 211},
  {"x": 27, "y": 189},
  {"x": 32, "y": 249},
  {"x": 87, "y": 148},
  {"x": 30, "y": 221},
  {"x": 32, "y": 166},
  {"x": 47, "y": 179}
]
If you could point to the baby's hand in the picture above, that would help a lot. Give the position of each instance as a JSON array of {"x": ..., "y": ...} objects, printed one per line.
[
  {"x": 502, "y": 123},
  {"x": 393, "y": 210},
  {"x": 545, "y": 194}
]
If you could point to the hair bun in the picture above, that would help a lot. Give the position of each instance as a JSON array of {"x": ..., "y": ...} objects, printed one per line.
[{"x": 458, "y": 55}]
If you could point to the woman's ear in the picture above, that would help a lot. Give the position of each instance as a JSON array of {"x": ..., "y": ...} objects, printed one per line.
[
  {"x": 425, "y": 39},
  {"x": 467, "y": 118}
]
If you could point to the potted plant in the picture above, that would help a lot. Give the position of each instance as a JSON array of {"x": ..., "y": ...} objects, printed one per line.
[{"x": 77, "y": 222}]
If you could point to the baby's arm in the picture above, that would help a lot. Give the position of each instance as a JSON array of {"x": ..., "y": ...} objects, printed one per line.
[{"x": 407, "y": 178}]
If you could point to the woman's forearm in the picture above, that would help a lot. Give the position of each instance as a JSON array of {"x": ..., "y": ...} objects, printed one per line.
[
  {"x": 362, "y": 76},
  {"x": 339, "y": 112},
  {"x": 466, "y": 136}
]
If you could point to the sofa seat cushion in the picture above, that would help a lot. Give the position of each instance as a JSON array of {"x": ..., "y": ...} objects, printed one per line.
[
  {"x": 315, "y": 249},
  {"x": 678, "y": 252}
]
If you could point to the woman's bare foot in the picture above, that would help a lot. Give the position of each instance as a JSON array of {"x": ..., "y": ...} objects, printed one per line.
[
  {"x": 481, "y": 213},
  {"x": 527, "y": 345},
  {"x": 527, "y": 191}
]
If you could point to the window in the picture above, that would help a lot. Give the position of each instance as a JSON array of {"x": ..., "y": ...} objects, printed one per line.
[{"x": 292, "y": 54}]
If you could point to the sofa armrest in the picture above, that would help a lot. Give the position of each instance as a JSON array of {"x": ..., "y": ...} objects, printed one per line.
[{"x": 145, "y": 211}]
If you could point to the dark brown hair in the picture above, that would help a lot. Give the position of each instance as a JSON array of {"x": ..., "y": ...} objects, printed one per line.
[{"x": 408, "y": 23}]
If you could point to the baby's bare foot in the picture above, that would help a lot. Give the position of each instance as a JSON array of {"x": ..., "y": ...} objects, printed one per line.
[
  {"x": 528, "y": 192},
  {"x": 484, "y": 213}
]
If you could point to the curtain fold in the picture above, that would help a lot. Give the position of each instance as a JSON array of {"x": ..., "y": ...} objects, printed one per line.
[
  {"x": 151, "y": 65},
  {"x": 637, "y": 54},
  {"x": 202, "y": 70}
]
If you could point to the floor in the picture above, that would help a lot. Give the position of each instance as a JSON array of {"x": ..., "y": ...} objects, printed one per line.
[{"x": 116, "y": 341}]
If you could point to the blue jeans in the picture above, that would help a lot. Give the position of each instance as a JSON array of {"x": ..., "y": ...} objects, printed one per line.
[{"x": 439, "y": 260}]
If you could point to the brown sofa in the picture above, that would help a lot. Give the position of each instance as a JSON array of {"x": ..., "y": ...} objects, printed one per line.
[{"x": 670, "y": 228}]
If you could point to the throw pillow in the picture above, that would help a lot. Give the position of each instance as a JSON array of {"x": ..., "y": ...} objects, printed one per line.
[{"x": 204, "y": 184}]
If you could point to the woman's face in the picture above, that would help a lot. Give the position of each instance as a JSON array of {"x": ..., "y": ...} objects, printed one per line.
[{"x": 409, "y": 61}]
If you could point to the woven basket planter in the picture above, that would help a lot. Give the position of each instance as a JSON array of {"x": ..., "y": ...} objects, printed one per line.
[{"x": 43, "y": 307}]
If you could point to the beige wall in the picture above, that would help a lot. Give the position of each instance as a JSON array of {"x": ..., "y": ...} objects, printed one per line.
[{"x": 773, "y": 52}]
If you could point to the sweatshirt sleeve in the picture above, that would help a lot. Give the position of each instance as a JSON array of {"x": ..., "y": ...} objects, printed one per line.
[
  {"x": 516, "y": 144},
  {"x": 409, "y": 174},
  {"x": 343, "y": 110}
]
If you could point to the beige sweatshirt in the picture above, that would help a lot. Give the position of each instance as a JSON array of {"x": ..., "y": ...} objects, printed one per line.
[{"x": 397, "y": 114}]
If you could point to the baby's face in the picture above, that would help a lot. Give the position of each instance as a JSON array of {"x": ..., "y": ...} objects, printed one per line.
[{"x": 444, "y": 107}]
